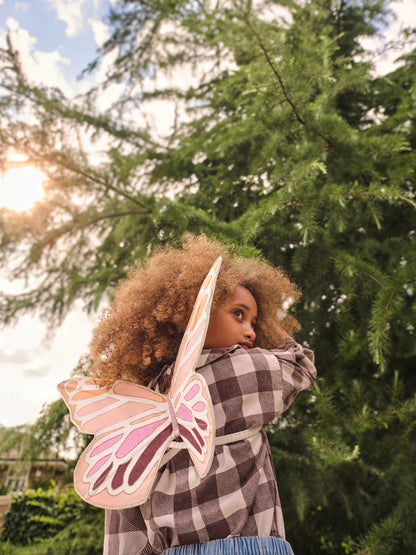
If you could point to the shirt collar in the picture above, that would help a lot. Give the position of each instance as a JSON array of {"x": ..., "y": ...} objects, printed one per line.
[{"x": 210, "y": 355}]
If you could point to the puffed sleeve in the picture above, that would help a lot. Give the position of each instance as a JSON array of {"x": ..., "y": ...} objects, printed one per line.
[
  {"x": 251, "y": 387},
  {"x": 125, "y": 533},
  {"x": 298, "y": 370}
]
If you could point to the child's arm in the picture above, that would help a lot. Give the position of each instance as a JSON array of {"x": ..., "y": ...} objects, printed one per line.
[
  {"x": 297, "y": 367},
  {"x": 267, "y": 380},
  {"x": 125, "y": 533}
]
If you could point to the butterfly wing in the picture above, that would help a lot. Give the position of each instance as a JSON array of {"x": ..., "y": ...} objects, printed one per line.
[
  {"x": 132, "y": 429},
  {"x": 189, "y": 391},
  {"x": 194, "y": 416},
  {"x": 133, "y": 426},
  {"x": 194, "y": 337}
]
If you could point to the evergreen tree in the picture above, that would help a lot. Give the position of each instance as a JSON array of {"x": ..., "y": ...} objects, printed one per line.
[{"x": 286, "y": 144}]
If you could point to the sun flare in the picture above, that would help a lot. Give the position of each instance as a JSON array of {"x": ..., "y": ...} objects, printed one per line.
[{"x": 20, "y": 188}]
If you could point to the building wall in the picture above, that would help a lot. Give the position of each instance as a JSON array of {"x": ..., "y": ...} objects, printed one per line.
[{"x": 5, "y": 501}]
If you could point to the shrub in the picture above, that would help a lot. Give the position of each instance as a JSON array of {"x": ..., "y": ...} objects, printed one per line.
[
  {"x": 36, "y": 515},
  {"x": 76, "y": 539}
]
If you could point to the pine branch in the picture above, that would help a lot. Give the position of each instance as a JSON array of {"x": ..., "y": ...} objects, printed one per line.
[
  {"x": 64, "y": 162},
  {"x": 279, "y": 79},
  {"x": 358, "y": 270},
  {"x": 51, "y": 103},
  {"x": 274, "y": 70}
]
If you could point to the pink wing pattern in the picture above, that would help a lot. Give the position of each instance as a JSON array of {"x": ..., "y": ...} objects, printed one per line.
[{"x": 133, "y": 426}]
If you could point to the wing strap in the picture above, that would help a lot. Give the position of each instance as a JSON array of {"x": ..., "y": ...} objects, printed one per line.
[
  {"x": 174, "y": 446},
  {"x": 173, "y": 416}
]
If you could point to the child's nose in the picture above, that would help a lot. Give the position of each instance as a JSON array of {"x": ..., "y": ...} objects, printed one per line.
[{"x": 250, "y": 333}]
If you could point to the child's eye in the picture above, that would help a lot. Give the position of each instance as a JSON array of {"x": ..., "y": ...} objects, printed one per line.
[{"x": 238, "y": 314}]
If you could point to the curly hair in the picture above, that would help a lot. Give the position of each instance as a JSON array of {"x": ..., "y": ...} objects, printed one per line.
[{"x": 143, "y": 327}]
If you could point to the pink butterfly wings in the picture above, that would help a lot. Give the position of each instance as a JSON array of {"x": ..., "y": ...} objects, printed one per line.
[
  {"x": 134, "y": 426},
  {"x": 131, "y": 428},
  {"x": 194, "y": 336}
]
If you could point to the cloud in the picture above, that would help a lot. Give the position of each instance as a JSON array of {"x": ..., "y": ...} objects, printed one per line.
[
  {"x": 18, "y": 356},
  {"x": 70, "y": 12},
  {"x": 100, "y": 31},
  {"x": 30, "y": 381},
  {"x": 387, "y": 47},
  {"x": 406, "y": 11},
  {"x": 12, "y": 24},
  {"x": 39, "y": 66},
  {"x": 36, "y": 372},
  {"x": 21, "y": 6},
  {"x": 21, "y": 400}
]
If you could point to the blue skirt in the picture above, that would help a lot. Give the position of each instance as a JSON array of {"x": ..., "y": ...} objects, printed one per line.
[{"x": 250, "y": 545}]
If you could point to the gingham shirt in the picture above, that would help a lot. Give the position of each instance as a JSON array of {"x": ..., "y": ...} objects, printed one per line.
[{"x": 239, "y": 496}]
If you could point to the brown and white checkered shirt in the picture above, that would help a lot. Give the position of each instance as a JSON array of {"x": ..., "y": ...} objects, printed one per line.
[{"x": 239, "y": 496}]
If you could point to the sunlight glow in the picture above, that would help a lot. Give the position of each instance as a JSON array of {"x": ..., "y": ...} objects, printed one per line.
[{"x": 20, "y": 188}]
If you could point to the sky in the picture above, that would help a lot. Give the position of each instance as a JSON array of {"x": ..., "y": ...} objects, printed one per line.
[{"x": 57, "y": 39}]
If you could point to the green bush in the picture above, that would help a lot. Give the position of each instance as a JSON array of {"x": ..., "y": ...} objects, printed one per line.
[
  {"x": 80, "y": 539},
  {"x": 71, "y": 525},
  {"x": 76, "y": 539}
]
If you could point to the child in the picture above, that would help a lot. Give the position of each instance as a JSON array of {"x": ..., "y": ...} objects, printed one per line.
[{"x": 254, "y": 371}]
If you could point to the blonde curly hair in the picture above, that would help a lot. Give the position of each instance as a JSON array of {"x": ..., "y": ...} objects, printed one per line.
[{"x": 143, "y": 327}]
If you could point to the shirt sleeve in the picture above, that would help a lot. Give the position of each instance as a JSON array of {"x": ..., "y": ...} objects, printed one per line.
[
  {"x": 298, "y": 370},
  {"x": 125, "y": 533}
]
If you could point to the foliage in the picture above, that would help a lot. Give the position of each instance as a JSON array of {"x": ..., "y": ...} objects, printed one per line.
[
  {"x": 79, "y": 539},
  {"x": 36, "y": 515},
  {"x": 48, "y": 434},
  {"x": 288, "y": 144}
]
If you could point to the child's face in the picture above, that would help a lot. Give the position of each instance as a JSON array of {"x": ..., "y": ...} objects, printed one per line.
[{"x": 234, "y": 323}]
